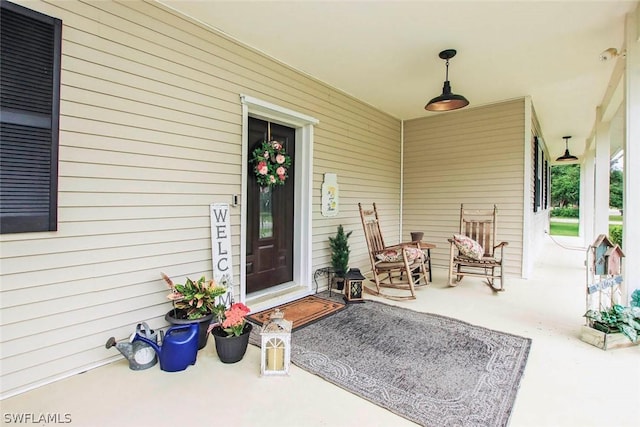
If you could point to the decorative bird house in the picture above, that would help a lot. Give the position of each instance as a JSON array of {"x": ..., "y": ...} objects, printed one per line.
[
  {"x": 614, "y": 256},
  {"x": 276, "y": 345},
  {"x": 601, "y": 246},
  {"x": 353, "y": 286}
]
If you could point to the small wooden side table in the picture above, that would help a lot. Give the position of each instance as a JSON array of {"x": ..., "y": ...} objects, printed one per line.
[{"x": 427, "y": 247}]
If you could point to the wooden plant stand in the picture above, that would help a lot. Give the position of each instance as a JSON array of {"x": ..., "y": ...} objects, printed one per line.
[{"x": 603, "y": 340}]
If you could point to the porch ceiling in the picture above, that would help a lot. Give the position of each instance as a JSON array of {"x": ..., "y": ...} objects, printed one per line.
[{"x": 386, "y": 52}]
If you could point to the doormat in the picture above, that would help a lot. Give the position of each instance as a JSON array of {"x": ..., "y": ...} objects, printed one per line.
[
  {"x": 430, "y": 369},
  {"x": 301, "y": 312}
]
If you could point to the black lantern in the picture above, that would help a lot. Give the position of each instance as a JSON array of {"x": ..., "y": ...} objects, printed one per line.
[
  {"x": 447, "y": 101},
  {"x": 566, "y": 157},
  {"x": 353, "y": 286}
]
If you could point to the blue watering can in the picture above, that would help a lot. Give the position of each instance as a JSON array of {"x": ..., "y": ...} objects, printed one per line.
[{"x": 179, "y": 347}]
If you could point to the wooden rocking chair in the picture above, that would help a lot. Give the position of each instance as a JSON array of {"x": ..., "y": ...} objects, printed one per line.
[
  {"x": 481, "y": 227},
  {"x": 400, "y": 266}
]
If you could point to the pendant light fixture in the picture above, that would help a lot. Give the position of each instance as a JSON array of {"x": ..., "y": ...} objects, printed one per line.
[
  {"x": 566, "y": 157},
  {"x": 447, "y": 101}
]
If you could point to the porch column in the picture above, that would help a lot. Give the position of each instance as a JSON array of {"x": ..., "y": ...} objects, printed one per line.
[
  {"x": 587, "y": 192},
  {"x": 631, "y": 203},
  {"x": 602, "y": 171}
]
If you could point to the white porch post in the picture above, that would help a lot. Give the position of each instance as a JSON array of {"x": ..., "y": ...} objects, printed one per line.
[
  {"x": 602, "y": 171},
  {"x": 587, "y": 192},
  {"x": 631, "y": 225}
]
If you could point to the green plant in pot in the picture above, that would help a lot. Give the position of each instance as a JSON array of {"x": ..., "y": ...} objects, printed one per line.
[
  {"x": 635, "y": 298},
  {"x": 617, "y": 319},
  {"x": 194, "y": 301},
  {"x": 231, "y": 332},
  {"x": 340, "y": 255}
]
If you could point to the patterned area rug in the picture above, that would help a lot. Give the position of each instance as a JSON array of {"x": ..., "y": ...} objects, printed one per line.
[
  {"x": 430, "y": 369},
  {"x": 301, "y": 312}
]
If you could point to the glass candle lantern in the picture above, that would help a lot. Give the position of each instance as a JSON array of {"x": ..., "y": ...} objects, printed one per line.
[
  {"x": 353, "y": 286},
  {"x": 275, "y": 347}
]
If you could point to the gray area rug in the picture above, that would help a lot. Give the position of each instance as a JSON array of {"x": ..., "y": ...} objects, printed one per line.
[{"x": 433, "y": 370}]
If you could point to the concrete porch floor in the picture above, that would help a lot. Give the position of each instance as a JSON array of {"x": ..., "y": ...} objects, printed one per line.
[{"x": 566, "y": 381}]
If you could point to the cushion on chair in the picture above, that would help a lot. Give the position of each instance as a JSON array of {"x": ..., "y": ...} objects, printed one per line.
[
  {"x": 395, "y": 255},
  {"x": 468, "y": 247}
]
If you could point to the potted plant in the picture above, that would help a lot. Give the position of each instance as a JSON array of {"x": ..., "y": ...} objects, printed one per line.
[
  {"x": 231, "y": 332},
  {"x": 617, "y": 319},
  {"x": 340, "y": 255},
  {"x": 195, "y": 301},
  {"x": 635, "y": 298}
]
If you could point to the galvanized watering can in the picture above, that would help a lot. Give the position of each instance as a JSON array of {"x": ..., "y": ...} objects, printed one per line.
[{"x": 140, "y": 354}]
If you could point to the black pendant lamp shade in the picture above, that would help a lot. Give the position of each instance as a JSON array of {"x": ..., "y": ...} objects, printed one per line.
[
  {"x": 447, "y": 101},
  {"x": 566, "y": 157}
]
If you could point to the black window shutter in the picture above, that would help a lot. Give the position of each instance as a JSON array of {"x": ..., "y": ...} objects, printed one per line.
[
  {"x": 546, "y": 184},
  {"x": 536, "y": 178},
  {"x": 29, "y": 123}
]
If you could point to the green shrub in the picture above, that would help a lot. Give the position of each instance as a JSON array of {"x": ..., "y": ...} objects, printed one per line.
[
  {"x": 615, "y": 233},
  {"x": 566, "y": 212},
  {"x": 340, "y": 252}
]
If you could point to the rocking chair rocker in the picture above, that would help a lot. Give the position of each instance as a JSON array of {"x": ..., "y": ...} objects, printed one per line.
[
  {"x": 400, "y": 266},
  {"x": 477, "y": 226}
]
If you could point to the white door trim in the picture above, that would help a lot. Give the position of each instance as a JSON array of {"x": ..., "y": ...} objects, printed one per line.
[{"x": 303, "y": 124}]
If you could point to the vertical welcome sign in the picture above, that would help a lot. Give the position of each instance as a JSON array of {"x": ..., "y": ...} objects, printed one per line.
[{"x": 221, "y": 257}]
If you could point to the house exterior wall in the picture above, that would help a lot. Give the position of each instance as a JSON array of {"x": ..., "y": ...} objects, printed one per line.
[
  {"x": 538, "y": 224},
  {"x": 475, "y": 157},
  {"x": 151, "y": 134}
]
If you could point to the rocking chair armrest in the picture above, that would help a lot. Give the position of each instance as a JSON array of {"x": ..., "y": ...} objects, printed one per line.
[
  {"x": 386, "y": 249},
  {"x": 501, "y": 244},
  {"x": 409, "y": 244},
  {"x": 400, "y": 246},
  {"x": 392, "y": 247}
]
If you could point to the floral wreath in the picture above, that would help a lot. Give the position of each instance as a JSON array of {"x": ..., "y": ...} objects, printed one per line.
[{"x": 271, "y": 163}]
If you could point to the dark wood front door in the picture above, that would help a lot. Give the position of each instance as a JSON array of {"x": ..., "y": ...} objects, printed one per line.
[{"x": 269, "y": 214}]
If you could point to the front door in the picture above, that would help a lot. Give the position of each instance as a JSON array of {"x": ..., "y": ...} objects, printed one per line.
[{"x": 269, "y": 214}]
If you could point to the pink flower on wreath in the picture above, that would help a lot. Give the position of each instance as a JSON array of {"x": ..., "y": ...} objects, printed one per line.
[
  {"x": 272, "y": 179},
  {"x": 276, "y": 145},
  {"x": 262, "y": 168},
  {"x": 281, "y": 171},
  {"x": 280, "y": 159}
]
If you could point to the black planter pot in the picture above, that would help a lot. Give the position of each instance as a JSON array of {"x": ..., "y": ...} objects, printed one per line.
[
  {"x": 231, "y": 349},
  {"x": 174, "y": 317}
]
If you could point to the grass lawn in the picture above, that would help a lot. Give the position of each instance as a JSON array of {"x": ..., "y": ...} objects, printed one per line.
[
  {"x": 615, "y": 217},
  {"x": 567, "y": 228},
  {"x": 563, "y": 228}
]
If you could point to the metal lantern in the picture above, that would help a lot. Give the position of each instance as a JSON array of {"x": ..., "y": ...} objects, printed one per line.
[
  {"x": 275, "y": 350},
  {"x": 353, "y": 286}
]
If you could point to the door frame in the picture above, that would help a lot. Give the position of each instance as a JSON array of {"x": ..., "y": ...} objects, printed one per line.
[{"x": 303, "y": 190}]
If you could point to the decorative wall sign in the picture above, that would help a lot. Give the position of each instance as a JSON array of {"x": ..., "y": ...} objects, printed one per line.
[
  {"x": 221, "y": 256},
  {"x": 330, "y": 199}
]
